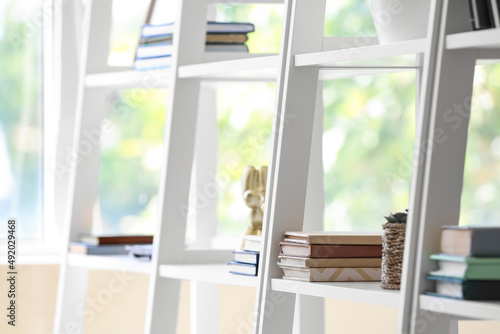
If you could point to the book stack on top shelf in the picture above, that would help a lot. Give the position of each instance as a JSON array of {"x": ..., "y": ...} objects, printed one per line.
[
  {"x": 246, "y": 261},
  {"x": 469, "y": 263},
  {"x": 331, "y": 256},
  {"x": 108, "y": 244},
  {"x": 155, "y": 47}
]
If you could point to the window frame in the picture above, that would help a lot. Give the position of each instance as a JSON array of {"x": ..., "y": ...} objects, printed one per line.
[{"x": 47, "y": 248}]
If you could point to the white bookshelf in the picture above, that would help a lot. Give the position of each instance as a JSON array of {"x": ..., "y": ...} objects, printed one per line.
[{"x": 444, "y": 65}]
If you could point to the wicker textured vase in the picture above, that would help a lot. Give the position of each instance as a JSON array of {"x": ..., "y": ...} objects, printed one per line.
[{"x": 393, "y": 243}]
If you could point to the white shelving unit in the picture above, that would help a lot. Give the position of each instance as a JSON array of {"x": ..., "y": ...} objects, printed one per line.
[{"x": 444, "y": 65}]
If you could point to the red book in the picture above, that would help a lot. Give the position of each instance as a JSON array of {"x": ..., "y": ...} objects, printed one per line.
[
  {"x": 116, "y": 239},
  {"x": 330, "y": 251}
]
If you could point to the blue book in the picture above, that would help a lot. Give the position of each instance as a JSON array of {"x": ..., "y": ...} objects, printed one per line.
[
  {"x": 239, "y": 268},
  {"x": 154, "y": 50},
  {"x": 83, "y": 248}
]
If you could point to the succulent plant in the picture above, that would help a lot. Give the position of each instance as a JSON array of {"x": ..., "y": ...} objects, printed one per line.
[{"x": 398, "y": 217}]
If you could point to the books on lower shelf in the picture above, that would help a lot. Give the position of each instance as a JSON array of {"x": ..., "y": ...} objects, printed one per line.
[
  {"x": 113, "y": 245},
  {"x": 246, "y": 261},
  {"x": 155, "y": 48},
  {"x": 469, "y": 266},
  {"x": 331, "y": 256}
]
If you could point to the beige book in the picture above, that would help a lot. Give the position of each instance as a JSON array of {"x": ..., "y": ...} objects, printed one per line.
[
  {"x": 304, "y": 262},
  {"x": 333, "y": 274},
  {"x": 335, "y": 237}
]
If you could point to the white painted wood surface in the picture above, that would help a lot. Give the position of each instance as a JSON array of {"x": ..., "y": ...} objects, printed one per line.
[
  {"x": 479, "y": 310},
  {"x": 290, "y": 155},
  {"x": 210, "y": 273},
  {"x": 179, "y": 142},
  {"x": 441, "y": 145},
  {"x": 83, "y": 155},
  {"x": 309, "y": 314}
]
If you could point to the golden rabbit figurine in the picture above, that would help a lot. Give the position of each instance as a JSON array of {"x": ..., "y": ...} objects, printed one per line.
[{"x": 253, "y": 188}]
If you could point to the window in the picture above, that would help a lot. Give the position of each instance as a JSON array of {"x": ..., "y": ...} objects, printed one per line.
[{"x": 21, "y": 116}]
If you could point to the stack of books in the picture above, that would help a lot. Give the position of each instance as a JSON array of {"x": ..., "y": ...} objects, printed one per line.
[
  {"x": 108, "y": 244},
  {"x": 155, "y": 47},
  {"x": 246, "y": 261},
  {"x": 469, "y": 263},
  {"x": 331, "y": 256}
]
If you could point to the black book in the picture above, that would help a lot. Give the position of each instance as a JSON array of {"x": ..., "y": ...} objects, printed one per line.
[{"x": 481, "y": 14}]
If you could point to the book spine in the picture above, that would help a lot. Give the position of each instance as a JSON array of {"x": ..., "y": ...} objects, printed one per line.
[{"x": 331, "y": 251}]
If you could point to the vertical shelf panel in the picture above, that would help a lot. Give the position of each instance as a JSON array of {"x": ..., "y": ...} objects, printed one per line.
[{"x": 290, "y": 154}]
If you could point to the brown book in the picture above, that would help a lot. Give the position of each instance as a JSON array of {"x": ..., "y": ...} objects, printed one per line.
[
  {"x": 334, "y": 237},
  {"x": 227, "y": 38},
  {"x": 325, "y": 251},
  {"x": 116, "y": 239},
  {"x": 346, "y": 262},
  {"x": 476, "y": 241}
]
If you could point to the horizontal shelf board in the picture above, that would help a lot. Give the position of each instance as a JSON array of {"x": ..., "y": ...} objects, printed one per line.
[
  {"x": 158, "y": 78},
  {"x": 462, "y": 308},
  {"x": 362, "y": 292},
  {"x": 363, "y": 53},
  {"x": 248, "y": 69},
  {"x": 218, "y": 68},
  {"x": 480, "y": 39},
  {"x": 109, "y": 262},
  {"x": 211, "y": 273}
]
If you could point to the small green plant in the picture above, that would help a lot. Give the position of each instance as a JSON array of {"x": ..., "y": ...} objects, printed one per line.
[{"x": 398, "y": 217}]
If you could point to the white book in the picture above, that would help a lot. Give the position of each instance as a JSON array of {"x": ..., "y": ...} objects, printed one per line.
[{"x": 252, "y": 243}]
